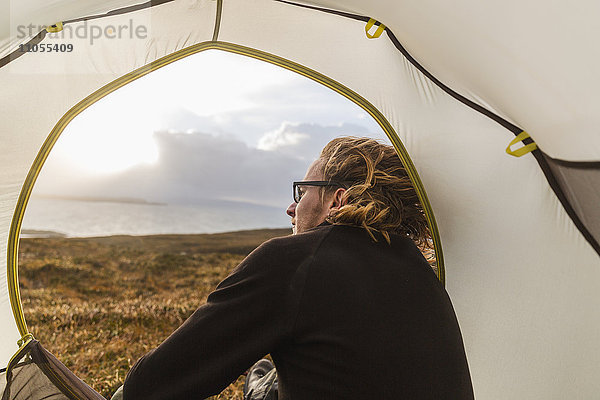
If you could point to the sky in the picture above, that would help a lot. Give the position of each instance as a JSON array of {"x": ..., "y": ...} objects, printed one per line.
[{"x": 212, "y": 126}]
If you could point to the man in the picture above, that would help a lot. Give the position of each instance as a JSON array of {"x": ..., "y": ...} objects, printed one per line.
[{"x": 347, "y": 307}]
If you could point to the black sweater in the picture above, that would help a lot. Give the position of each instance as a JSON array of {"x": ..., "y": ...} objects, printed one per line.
[{"x": 343, "y": 317}]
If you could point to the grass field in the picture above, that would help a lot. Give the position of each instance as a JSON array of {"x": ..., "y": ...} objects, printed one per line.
[{"x": 99, "y": 304}]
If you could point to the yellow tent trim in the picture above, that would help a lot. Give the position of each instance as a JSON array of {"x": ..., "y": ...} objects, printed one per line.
[
  {"x": 15, "y": 229},
  {"x": 218, "y": 20},
  {"x": 19, "y": 354}
]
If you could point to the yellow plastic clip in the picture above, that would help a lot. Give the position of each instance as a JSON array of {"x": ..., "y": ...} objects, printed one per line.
[
  {"x": 57, "y": 27},
  {"x": 377, "y": 33},
  {"x": 521, "y": 151},
  {"x": 24, "y": 339}
]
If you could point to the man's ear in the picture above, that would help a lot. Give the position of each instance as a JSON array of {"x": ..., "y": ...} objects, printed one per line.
[{"x": 339, "y": 198}]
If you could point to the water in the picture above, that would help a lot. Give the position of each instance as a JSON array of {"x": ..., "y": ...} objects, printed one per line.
[{"x": 77, "y": 218}]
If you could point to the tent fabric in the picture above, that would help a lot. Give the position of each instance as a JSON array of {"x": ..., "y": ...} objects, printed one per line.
[
  {"x": 521, "y": 275},
  {"x": 51, "y": 84},
  {"x": 580, "y": 182},
  {"x": 527, "y": 61},
  {"x": 36, "y": 374},
  {"x": 565, "y": 201},
  {"x": 15, "y": 15}
]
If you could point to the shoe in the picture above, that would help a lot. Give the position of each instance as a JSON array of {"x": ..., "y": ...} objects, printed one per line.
[{"x": 261, "y": 381}]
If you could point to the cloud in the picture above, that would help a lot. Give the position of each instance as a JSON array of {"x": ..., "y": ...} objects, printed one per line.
[
  {"x": 218, "y": 138},
  {"x": 194, "y": 167},
  {"x": 300, "y": 101},
  {"x": 284, "y": 137},
  {"x": 305, "y": 141}
]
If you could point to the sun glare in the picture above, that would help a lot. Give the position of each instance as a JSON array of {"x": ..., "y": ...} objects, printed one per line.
[
  {"x": 116, "y": 133},
  {"x": 106, "y": 140}
]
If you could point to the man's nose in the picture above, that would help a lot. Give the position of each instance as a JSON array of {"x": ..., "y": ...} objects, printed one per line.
[{"x": 291, "y": 210}]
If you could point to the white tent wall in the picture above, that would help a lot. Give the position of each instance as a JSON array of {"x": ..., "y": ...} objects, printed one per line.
[
  {"x": 39, "y": 88},
  {"x": 16, "y": 16},
  {"x": 529, "y": 61},
  {"x": 524, "y": 307},
  {"x": 522, "y": 278}
]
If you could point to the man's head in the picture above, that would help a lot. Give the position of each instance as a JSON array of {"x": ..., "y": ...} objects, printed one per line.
[
  {"x": 365, "y": 185},
  {"x": 311, "y": 205}
]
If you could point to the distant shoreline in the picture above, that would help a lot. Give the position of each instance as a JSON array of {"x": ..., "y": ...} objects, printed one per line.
[
  {"x": 104, "y": 300},
  {"x": 40, "y": 234},
  {"x": 126, "y": 200},
  {"x": 48, "y": 234}
]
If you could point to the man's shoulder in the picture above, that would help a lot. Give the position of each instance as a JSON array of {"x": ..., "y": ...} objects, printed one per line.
[
  {"x": 328, "y": 238},
  {"x": 305, "y": 241},
  {"x": 282, "y": 256}
]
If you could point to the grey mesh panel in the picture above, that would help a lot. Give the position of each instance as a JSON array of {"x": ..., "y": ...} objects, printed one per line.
[
  {"x": 40, "y": 375},
  {"x": 29, "y": 383},
  {"x": 580, "y": 183}
]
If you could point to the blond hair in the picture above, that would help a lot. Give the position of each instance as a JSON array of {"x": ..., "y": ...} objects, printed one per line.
[{"x": 380, "y": 195}]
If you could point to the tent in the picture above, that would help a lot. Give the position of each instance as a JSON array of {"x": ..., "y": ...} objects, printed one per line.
[{"x": 491, "y": 105}]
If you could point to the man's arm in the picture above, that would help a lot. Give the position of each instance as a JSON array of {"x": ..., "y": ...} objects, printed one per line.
[{"x": 245, "y": 318}]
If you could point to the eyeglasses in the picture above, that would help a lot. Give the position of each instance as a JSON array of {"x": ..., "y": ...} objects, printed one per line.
[{"x": 298, "y": 192}]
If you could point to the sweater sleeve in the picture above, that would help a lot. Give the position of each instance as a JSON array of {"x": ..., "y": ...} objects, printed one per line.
[{"x": 246, "y": 317}]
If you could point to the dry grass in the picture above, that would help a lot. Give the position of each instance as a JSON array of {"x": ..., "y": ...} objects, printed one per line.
[{"x": 99, "y": 304}]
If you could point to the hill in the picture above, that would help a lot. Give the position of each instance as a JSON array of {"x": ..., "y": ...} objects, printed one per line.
[{"x": 99, "y": 304}]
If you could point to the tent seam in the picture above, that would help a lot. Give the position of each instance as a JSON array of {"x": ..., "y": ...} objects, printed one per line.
[
  {"x": 477, "y": 107},
  {"x": 42, "y": 34},
  {"x": 550, "y": 178},
  {"x": 234, "y": 48},
  {"x": 575, "y": 164},
  {"x": 120, "y": 11},
  {"x": 537, "y": 153},
  {"x": 27, "y": 188},
  {"x": 218, "y": 20},
  {"x": 327, "y": 10},
  {"x": 12, "y": 56}
]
